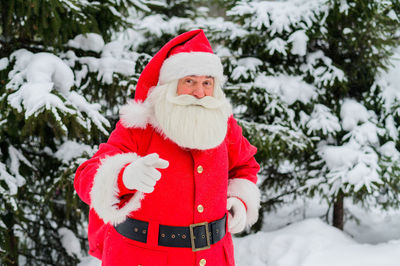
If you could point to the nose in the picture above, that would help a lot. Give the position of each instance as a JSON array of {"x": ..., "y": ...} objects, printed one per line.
[{"x": 199, "y": 92}]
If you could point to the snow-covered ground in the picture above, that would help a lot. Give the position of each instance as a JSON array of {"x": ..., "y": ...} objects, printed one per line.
[
  {"x": 371, "y": 238},
  {"x": 312, "y": 243}
]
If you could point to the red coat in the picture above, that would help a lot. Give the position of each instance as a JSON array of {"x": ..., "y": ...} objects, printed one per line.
[{"x": 227, "y": 170}]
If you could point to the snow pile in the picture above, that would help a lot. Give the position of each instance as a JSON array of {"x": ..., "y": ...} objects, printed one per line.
[{"x": 311, "y": 243}]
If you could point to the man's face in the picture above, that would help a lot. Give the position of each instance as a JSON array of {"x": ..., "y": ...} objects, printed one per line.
[
  {"x": 197, "y": 86},
  {"x": 187, "y": 120}
]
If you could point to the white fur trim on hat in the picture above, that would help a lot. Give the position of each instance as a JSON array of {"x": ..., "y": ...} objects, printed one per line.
[
  {"x": 249, "y": 193},
  {"x": 195, "y": 63},
  {"x": 104, "y": 193}
]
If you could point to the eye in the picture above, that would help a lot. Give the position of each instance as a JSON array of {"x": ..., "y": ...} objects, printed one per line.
[
  {"x": 207, "y": 83},
  {"x": 189, "y": 81}
]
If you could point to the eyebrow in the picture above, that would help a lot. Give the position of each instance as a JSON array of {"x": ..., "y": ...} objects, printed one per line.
[{"x": 209, "y": 77}]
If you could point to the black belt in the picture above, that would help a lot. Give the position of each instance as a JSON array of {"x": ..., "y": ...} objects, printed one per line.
[{"x": 197, "y": 236}]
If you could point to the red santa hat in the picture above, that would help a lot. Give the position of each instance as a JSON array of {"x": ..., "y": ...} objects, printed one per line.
[{"x": 187, "y": 54}]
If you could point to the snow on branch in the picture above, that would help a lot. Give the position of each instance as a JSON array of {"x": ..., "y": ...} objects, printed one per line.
[
  {"x": 72, "y": 150},
  {"x": 158, "y": 24},
  {"x": 87, "y": 42},
  {"x": 9, "y": 179},
  {"x": 322, "y": 119},
  {"x": 292, "y": 138},
  {"x": 221, "y": 29},
  {"x": 3, "y": 63},
  {"x": 13, "y": 178},
  {"x": 351, "y": 167},
  {"x": 356, "y": 164},
  {"x": 299, "y": 41},
  {"x": 115, "y": 58},
  {"x": 321, "y": 68},
  {"x": 279, "y": 16},
  {"x": 246, "y": 67},
  {"x": 353, "y": 113},
  {"x": 388, "y": 83},
  {"x": 277, "y": 45},
  {"x": 288, "y": 88},
  {"x": 43, "y": 81},
  {"x": 70, "y": 242}
]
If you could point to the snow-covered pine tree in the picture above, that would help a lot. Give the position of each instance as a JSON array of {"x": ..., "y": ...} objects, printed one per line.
[
  {"x": 56, "y": 90},
  {"x": 167, "y": 19},
  {"x": 60, "y": 94},
  {"x": 303, "y": 76},
  {"x": 24, "y": 23}
]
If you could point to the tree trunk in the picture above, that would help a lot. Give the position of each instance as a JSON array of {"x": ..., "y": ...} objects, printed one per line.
[
  {"x": 338, "y": 212},
  {"x": 11, "y": 258}
]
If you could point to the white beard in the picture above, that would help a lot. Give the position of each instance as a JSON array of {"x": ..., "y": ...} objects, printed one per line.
[{"x": 190, "y": 122}]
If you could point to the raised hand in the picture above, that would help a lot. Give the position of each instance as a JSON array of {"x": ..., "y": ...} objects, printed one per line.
[{"x": 142, "y": 174}]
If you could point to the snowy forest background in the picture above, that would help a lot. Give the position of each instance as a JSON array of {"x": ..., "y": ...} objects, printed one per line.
[{"x": 314, "y": 83}]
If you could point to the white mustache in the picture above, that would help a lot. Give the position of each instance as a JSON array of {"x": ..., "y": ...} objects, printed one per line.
[{"x": 208, "y": 102}]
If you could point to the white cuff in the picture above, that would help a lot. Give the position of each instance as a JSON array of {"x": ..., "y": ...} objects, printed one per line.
[
  {"x": 104, "y": 193},
  {"x": 249, "y": 193}
]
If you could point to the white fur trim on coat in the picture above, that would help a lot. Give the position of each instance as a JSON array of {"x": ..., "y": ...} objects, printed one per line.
[
  {"x": 104, "y": 193},
  {"x": 135, "y": 114},
  {"x": 195, "y": 63},
  {"x": 249, "y": 193}
]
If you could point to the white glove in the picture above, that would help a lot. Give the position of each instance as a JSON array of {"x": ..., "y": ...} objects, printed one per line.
[
  {"x": 142, "y": 174},
  {"x": 236, "y": 215}
]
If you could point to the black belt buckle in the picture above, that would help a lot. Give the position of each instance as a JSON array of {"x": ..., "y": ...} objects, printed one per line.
[{"x": 193, "y": 237}]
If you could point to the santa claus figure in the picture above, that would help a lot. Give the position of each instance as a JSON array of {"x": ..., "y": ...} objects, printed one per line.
[{"x": 176, "y": 177}]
